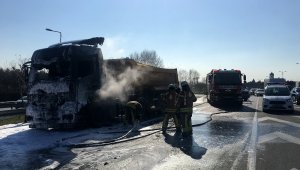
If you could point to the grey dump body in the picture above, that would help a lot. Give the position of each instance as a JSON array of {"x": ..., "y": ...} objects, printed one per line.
[
  {"x": 224, "y": 86},
  {"x": 64, "y": 82}
]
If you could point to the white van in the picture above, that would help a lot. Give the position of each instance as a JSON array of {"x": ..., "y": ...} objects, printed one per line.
[{"x": 277, "y": 97}]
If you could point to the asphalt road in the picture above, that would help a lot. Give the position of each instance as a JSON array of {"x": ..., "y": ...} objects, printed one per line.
[
  {"x": 235, "y": 138},
  {"x": 225, "y": 137}
]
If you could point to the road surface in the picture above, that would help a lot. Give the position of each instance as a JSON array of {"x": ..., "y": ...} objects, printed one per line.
[{"x": 232, "y": 138}]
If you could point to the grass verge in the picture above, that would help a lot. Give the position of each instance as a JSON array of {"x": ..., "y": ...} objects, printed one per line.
[{"x": 11, "y": 119}]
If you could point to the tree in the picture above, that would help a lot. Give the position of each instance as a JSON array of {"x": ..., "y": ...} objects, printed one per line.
[
  {"x": 149, "y": 57},
  {"x": 19, "y": 75},
  {"x": 183, "y": 75},
  {"x": 193, "y": 76}
]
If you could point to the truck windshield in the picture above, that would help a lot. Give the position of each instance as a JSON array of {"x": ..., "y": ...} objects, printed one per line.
[
  {"x": 277, "y": 91},
  {"x": 227, "y": 78},
  {"x": 53, "y": 71}
]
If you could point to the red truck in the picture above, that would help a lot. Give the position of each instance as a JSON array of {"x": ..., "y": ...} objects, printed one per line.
[{"x": 225, "y": 86}]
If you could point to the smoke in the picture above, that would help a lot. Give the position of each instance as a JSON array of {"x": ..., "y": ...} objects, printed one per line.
[{"x": 118, "y": 85}]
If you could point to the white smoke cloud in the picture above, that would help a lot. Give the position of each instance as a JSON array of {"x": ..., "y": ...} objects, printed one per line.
[
  {"x": 118, "y": 85},
  {"x": 112, "y": 47}
]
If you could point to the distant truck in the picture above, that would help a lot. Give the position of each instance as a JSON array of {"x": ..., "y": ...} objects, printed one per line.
[
  {"x": 70, "y": 85},
  {"x": 225, "y": 86}
]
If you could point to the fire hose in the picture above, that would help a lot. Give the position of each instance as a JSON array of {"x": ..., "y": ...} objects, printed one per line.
[{"x": 123, "y": 138}]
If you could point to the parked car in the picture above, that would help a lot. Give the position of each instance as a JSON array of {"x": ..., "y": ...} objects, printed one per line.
[
  {"x": 277, "y": 97},
  {"x": 259, "y": 92},
  {"x": 252, "y": 91},
  {"x": 22, "y": 102},
  {"x": 295, "y": 92}
]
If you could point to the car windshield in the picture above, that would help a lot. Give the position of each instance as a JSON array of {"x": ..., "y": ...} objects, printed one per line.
[{"x": 277, "y": 91}]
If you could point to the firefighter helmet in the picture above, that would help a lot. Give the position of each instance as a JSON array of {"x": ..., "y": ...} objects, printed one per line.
[{"x": 185, "y": 86}]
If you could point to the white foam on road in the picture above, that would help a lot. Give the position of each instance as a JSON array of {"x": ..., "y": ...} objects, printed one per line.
[{"x": 18, "y": 141}]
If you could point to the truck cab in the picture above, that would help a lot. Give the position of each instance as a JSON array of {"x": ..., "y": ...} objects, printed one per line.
[
  {"x": 225, "y": 86},
  {"x": 61, "y": 80}
]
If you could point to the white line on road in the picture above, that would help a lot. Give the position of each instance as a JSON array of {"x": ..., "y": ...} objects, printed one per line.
[
  {"x": 253, "y": 140},
  {"x": 274, "y": 135},
  {"x": 279, "y": 120}
]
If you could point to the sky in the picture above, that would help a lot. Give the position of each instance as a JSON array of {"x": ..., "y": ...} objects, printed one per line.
[{"x": 255, "y": 36}]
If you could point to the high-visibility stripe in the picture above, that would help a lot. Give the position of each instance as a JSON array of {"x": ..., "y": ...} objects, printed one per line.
[
  {"x": 187, "y": 109},
  {"x": 170, "y": 110}
]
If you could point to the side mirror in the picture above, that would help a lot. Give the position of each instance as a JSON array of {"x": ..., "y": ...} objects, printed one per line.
[
  {"x": 25, "y": 70},
  {"x": 244, "y": 77},
  {"x": 209, "y": 79}
]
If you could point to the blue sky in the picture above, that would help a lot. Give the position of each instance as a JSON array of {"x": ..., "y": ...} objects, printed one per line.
[{"x": 255, "y": 36}]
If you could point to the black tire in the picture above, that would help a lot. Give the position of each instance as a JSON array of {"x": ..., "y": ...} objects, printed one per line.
[{"x": 265, "y": 110}]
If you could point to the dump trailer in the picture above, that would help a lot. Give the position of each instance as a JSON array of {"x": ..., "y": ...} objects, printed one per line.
[
  {"x": 70, "y": 85},
  {"x": 225, "y": 86}
]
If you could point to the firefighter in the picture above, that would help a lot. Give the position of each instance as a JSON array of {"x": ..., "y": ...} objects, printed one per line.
[
  {"x": 170, "y": 100},
  {"x": 133, "y": 112},
  {"x": 186, "y": 99}
]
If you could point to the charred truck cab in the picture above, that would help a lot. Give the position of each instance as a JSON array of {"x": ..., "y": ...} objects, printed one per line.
[
  {"x": 225, "y": 86},
  {"x": 61, "y": 80}
]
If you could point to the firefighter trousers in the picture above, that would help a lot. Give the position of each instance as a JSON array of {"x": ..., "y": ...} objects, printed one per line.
[
  {"x": 186, "y": 121},
  {"x": 168, "y": 115}
]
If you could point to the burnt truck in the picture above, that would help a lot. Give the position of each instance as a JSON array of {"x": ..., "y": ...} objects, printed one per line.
[
  {"x": 71, "y": 85},
  {"x": 225, "y": 86}
]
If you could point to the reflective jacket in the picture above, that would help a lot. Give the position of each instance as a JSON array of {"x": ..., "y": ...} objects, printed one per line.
[
  {"x": 170, "y": 100},
  {"x": 186, "y": 100}
]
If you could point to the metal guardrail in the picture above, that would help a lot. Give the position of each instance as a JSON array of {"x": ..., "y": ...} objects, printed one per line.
[
  {"x": 7, "y": 104},
  {"x": 12, "y": 112}
]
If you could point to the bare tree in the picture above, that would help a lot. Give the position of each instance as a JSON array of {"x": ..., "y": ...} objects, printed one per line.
[
  {"x": 183, "y": 75},
  {"x": 19, "y": 74},
  {"x": 149, "y": 57},
  {"x": 193, "y": 76}
]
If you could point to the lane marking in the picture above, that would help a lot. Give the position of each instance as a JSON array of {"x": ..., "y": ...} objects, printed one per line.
[
  {"x": 280, "y": 121},
  {"x": 274, "y": 135},
  {"x": 253, "y": 140}
]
